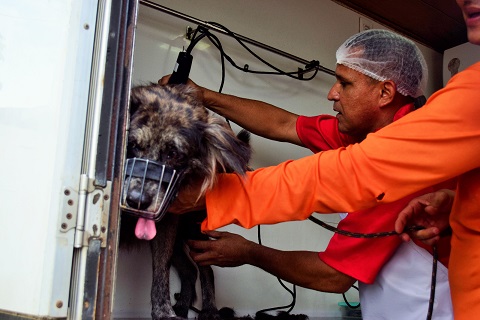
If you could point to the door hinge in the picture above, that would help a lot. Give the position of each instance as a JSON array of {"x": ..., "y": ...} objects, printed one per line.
[{"x": 87, "y": 210}]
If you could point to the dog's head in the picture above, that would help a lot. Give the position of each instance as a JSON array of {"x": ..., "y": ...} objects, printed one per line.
[{"x": 170, "y": 127}]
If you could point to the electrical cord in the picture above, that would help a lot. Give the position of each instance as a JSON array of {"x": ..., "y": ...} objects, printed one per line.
[
  {"x": 348, "y": 303},
  {"x": 309, "y": 67},
  {"x": 204, "y": 32},
  {"x": 293, "y": 291}
]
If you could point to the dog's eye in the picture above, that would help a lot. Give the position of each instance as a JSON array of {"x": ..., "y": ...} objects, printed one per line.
[
  {"x": 133, "y": 150},
  {"x": 172, "y": 155},
  {"x": 174, "y": 158},
  {"x": 134, "y": 147}
]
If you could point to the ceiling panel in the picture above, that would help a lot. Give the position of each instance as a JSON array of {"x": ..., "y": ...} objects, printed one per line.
[{"x": 437, "y": 24}]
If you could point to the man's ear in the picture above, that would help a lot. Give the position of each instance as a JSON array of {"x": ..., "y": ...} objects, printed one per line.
[{"x": 389, "y": 89}]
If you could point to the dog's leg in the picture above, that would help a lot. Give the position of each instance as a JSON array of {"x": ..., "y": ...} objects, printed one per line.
[
  {"x": 209, "y": 308},
  {"x": 187, "y": 273},
  {"x": 162, "y": 249},
  {"x": 190, "y": 228}
]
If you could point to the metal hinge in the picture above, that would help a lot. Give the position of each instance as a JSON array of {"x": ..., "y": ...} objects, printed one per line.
[{"x": 87, "y": 210}]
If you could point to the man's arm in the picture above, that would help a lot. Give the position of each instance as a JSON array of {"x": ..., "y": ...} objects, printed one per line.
[
  {"x": 258, "y": 117},
  {"x": 303, "y": 268}
]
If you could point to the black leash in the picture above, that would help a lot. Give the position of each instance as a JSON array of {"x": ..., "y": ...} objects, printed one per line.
[{"x": 386, "y": 234}]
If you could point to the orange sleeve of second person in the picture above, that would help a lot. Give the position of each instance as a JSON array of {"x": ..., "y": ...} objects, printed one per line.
[{"x": 426, "y": 147}]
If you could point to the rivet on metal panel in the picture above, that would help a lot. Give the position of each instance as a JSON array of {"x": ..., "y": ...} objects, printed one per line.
[{"x": 69, "y": 210}]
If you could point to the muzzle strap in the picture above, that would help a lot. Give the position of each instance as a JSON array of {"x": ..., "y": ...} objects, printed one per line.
[{"x": 147, "y": 169}]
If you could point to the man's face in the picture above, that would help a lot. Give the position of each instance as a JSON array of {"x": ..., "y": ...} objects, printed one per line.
[
  {"x": 471, "y": 15},
  {"x": 355, "y": 98}
]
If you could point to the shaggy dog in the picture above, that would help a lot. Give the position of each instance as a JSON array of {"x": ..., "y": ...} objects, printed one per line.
[{"x": 170, "y": 127}]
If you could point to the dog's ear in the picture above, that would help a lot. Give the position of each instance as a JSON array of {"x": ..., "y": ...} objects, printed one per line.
[
  {"x": 143, "y": 95},
  {"x": 225, "y": 152},
  {"x": 137, "y": 95}
]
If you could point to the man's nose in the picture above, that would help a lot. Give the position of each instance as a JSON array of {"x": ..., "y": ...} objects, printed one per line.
[{"x": 333, "y": 94}]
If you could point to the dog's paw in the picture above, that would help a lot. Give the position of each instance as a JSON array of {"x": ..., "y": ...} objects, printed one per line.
[
  {"x": 166, "y": 315},
  {"x": 229, "y": 314},
  {"x": 169, "y": 318},
  {"x": 281, "y": 315},
  {"x": 209, "y": 314}
]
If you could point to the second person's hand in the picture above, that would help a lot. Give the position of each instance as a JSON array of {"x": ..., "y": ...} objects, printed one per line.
[{"x": 430, "y": 211}]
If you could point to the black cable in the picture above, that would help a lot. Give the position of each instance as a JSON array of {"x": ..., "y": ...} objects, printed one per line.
[
  {"x": 346, "y": 301},
  {"x": 293, "y": 292},
  {"x": 312, "y": 66},
  {"x": 216, "y": 42}
]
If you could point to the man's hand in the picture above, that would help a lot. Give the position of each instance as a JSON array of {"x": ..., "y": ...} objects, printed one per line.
[
  {"x": 226, "y": 250},
  {"x": 164, "y": 80},
  {"x": 190, "y": 83},
  {"x": 431, "y": 211}
]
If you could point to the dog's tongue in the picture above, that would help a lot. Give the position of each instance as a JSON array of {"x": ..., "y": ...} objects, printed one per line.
[{"x": 145, "y": 229}]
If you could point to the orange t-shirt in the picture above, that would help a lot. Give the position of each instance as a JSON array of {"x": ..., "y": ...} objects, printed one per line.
[{"x": 438, "y": 142}]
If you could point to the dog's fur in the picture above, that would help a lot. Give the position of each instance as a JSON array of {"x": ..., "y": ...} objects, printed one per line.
[{"x": 169, "y": 125}]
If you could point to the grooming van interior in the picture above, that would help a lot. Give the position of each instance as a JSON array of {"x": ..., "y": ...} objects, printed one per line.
[{"x": 66, "y": 70}]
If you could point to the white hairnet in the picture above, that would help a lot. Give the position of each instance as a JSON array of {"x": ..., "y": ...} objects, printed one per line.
[{"x": 384, "y": 55}]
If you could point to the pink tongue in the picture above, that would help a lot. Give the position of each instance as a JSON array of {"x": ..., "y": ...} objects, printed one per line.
[{"x": 145, "y": 229}]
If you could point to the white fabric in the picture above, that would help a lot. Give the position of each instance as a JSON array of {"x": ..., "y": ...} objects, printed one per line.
[
  {"x": 401, "y": 290},
  {"x": 343, "y": 215}
]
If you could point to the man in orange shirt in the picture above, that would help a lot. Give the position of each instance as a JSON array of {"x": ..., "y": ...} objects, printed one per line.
[
  {"x": 431, "y": 145},
  {"x": 364, "y": 105}
]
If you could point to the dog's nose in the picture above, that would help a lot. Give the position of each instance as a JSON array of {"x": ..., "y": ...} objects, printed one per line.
[{"x": 137, "y": 200}]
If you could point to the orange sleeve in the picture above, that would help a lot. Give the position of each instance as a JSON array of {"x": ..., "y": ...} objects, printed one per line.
[{"x": 428, "y": 146}]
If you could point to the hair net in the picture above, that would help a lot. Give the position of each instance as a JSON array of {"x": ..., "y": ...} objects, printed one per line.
[{"x": 384, "y": 55}]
